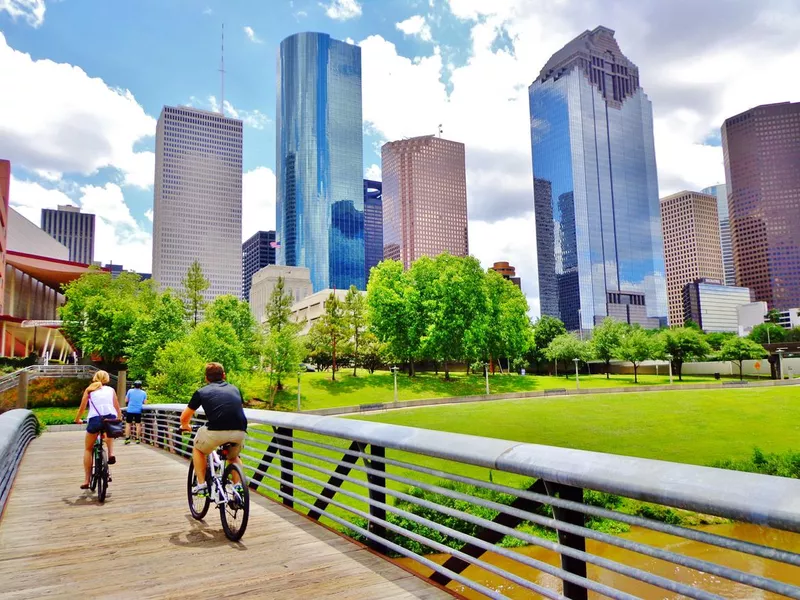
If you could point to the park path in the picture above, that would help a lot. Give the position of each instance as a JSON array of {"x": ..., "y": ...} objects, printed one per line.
[{"x": 57, "y": 541}]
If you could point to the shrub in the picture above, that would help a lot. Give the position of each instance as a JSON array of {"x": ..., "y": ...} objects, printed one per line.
[{"x": 781, "y": 465}]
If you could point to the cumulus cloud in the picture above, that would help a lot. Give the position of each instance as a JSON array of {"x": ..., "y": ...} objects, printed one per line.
[
  {"x": 251, "y": 35},
  {"x": 417, "y": 26},
  {"x": 250, "y": 118},
  {"x": 148, "y": 214},
  {"x": 342, "y": 10},
  {"x": 30, "y": 10},
  {"x": 258, "y": 201},
  {"x": 89, "y": 127},
  {"x": 373, "y": 173},
  {"x": 119, "y": 238}
]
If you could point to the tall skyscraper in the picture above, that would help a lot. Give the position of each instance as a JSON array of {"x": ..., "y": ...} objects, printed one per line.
[
  {"x": 761, "y": 148},
  {"x": 197, "y": 211},
  {"x": 373, "y": 225},
  {"x": 720, "y": 192},
  {"x": 594, "y": 164},
  {"x": 320, "y": 197},
  {"x": 72, "y": 228},
  {"x": 257, "y": 253},
  {"x": 692, "y": 248},
  {"x": 424, "y": 199}
]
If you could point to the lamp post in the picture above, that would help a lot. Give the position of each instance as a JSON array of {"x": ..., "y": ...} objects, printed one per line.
[
  {"x": 577, "y": 375},
  {"x": 486, "y": 376},
  {"x": 394, "y": 370},
  {"x": 669, "y": 360},
  {"x": 299, "y": 370}
]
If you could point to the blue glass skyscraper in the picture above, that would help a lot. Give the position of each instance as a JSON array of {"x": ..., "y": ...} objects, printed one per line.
[
  {"x": 320, "y": 196},
  {"x": 594, "y": 165}
]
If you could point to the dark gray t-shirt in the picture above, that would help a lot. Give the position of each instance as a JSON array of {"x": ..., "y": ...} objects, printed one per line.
[{"x": 223, "y": 405}]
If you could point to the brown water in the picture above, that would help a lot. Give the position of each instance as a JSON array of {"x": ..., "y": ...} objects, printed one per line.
[{"x": 711, "y": 583}]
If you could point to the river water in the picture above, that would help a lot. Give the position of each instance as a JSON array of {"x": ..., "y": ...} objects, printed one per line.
[{"x": 711, "y": 583}]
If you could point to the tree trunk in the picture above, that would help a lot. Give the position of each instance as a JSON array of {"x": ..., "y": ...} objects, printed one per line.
[
  {"x": 436, "y": 366},
  {"x": 741, "y": 369},
  {"x": 446, "y": 371},
  {"x": 679, "y": 364},
  {"x": 355, "y": 357},
  {"x": 635, "y": 373},
  {"x": 467, "y": 366},
  {"x": 333, "y": 369},
  {"x": 411, "y": 368},
  {"x": 491, "y": 362},
  {"x": 608, "y": 369}
]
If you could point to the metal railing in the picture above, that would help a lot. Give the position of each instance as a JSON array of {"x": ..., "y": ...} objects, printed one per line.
[
  {"x": 17, "y": 429},
  {"x": 461, "y": 495},
  {"x": 11, "y": 381}
]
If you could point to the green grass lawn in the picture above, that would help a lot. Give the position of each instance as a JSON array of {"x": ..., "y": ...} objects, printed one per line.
[
  {"x": 318, "y": 391},
  {"x": 56, "y": 415},
  {"x": 697, "y": 426}
]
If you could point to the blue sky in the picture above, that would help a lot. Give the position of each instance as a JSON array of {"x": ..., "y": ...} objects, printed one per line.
[{"x": 84, "y": 81}]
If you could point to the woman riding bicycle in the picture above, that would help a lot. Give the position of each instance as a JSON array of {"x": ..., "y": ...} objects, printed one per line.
[{"x": 103, "y": 405}]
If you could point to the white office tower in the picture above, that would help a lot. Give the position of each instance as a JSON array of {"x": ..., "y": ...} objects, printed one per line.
[{"x": 197, "y": 212}]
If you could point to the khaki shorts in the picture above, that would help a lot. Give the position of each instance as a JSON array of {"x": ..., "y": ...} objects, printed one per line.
[{"x": 208, "y": 440}]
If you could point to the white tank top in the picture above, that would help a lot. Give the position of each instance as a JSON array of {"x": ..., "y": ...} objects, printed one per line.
[{"x": 102, "y": 402}]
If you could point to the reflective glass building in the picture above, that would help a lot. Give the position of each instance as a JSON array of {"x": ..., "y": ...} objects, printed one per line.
[
  {"x": 373, "y": 225},
  {"x": 599, "y": 235},
  {"x": 720, "y": 192},
  {"x": 320, "y": 195}
]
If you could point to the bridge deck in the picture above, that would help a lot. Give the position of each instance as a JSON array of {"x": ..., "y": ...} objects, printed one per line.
[{"x": 55, "y": 540}]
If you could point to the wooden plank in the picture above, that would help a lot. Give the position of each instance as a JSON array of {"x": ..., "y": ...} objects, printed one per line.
[{"x": 57, "y": 541}]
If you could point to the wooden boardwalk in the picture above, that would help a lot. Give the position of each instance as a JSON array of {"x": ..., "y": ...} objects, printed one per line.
[{"x": 56, "y": 541}]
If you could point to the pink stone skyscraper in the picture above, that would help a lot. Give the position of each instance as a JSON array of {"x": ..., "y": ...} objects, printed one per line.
[{"x": 424, "y": 199}]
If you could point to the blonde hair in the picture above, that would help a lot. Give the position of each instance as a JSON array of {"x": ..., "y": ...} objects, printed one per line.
[{"x": 99, "y": 380}]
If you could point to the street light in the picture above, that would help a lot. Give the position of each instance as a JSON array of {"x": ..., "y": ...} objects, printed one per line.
[
  {"x": 394, "y": 370},
  {"x": 669, "y": 360},
  {"x": 577, "y": 375},
  {"x": 299, "y": 370},
  {"x": 486, "y": 375}
]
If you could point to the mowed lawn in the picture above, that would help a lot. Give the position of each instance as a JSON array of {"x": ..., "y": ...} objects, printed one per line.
[
  {"x": 697, "y": 426},
  {"x": 318, "y": 391}
]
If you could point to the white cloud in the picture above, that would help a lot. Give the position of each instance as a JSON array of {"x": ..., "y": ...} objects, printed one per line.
[
  {"x": 119, "y": 238},
  {"x": 341, "y": 10},
  {"x": 30, "y": 10},
  {"x": 415, "y": 25},
  {"x": 251, "y": 118},
  {"x": 148, "y": 214},
  {"x": 65, "y": 121},
  {"x": 208, "y": 11},
  {"x": 251, "y": 35},
  {"x": 258, "y": 201},
  {"x": 373, "y": 173}
]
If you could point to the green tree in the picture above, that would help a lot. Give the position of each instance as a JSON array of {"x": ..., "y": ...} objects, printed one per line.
[
  {"x": 395, "y": 311},
  {"x": 229, "y": 309},
  {"x": 773, "y": 316},
  {"x": 545, "y": 330},
  {"x": 355, "y": 317},
  {"x": 605, "y": 342},
  {"x": 279, "y": 307},
  {"x": 217, "y": 342},
  {"x": 99, "y": 312},
  {"x": 374, "y": 353},
  {"x": 333, "y": 327},
  {"x": 317, "y": 347},
  {"x": 683, "y": 345},
  {"x": 508, "y": 331},
  {"x": 179, "y": 371},
  {"x": 768, "y": 333},
  {"x": 282, "y": 353},
  {"x": 718, "y": 338},
  {"x": 456, "y": 315},
  {"x": 635, "y": 347},
  {"x": 152, "y": 331},
  {"x": 741, "y": 349},
  {"x": 566, "y": 348},
  {"x": 194, "y": 284},
  {"x": 793, "y": 335}
]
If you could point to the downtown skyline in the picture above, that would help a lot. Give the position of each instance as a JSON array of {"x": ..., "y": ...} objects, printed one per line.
[{"x": 401, "y": 97}]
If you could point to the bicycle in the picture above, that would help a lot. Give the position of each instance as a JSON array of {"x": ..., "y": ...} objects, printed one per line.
[
  {"x": 99, "y": 474},
  {"x": 232, "y": 500}
]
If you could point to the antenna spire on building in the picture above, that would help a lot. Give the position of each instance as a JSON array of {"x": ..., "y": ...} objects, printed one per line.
[
  {"x": 440, "y": 130},
  {"x": 222, "y": 73}
]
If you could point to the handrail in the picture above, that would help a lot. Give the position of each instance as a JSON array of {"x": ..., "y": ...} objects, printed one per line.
[
  {"x": 17, "y": 429},
  {"x": 10, "y": 381},
  {"x": 295, "y": 458}
]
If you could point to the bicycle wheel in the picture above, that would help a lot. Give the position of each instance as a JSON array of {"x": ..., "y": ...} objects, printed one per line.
[
  {"x": 198, "y": 505},
  {"x": 235, "y": 512},
  {"x": 95, "y": 472},
  {"x": 102, "y": 480}
]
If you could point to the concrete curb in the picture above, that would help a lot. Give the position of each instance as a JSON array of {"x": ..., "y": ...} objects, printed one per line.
[
  {"x": 377, "y": 407},
  {"x": 72, "y": 427}
]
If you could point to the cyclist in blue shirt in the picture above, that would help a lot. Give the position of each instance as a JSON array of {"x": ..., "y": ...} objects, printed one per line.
[{"x": 135, "y": 399}]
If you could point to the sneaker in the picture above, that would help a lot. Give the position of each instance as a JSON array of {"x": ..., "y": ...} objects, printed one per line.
[
  {"x": 138, "y": 441},
  {"x": 127, "y": 441},
  {"x": 200, "y": 490},
  {"x": 112, "y": 460}
]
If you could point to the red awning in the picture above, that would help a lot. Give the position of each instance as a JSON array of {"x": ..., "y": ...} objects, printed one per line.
[{"x": 52, "y": 272}]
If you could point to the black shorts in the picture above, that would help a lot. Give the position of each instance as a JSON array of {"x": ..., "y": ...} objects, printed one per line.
[
  {"x": 133, "y": 417},
  {"x": 95, "y": 424}
]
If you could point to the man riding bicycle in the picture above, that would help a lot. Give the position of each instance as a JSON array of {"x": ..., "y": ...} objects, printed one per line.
[{"x": 224, "y": 408}]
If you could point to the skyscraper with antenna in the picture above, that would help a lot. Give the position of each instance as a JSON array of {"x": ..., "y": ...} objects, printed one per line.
[{"x": 222, "y": 73}]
